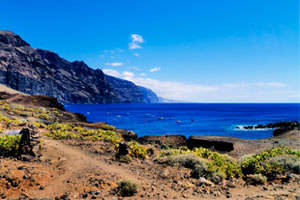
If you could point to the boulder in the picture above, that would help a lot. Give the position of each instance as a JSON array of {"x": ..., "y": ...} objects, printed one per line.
[
  {"x": 164, "y": 140},
  {"x": 127, "y": 135},
  {"x": 25, "y": 146},
  {"x": 123, "y": 150},
  {"x": 216, "y": 143}
]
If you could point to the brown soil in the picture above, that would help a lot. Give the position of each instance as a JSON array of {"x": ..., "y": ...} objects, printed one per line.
[{"x": 67, "y": 169}]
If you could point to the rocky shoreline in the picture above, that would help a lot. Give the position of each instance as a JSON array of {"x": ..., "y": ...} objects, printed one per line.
[
  {"x": 219, "y": 143},
  {"x": 287, "y": 125}
]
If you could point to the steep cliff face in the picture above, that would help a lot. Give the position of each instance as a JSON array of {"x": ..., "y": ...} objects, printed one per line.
[{"x": 42, "y": 72}]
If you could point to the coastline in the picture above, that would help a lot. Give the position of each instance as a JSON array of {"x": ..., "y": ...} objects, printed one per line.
[{"x": 68, "y": 157}]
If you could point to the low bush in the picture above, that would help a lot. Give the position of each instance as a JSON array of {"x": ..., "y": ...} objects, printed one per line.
[
  {"x": 62, "y": 134},
  {"x": 39, "y": 125},
  {"x": 256, "y": 179},
  {"x": 288, "y": 163},
  {"x": 68, "y": 131},
  {"x": 271, "y": 163},
  {"x": 137, "y": 150},
  {"x": 4, "y": 118},
  {"x": 185, "y": 160},
  {"x": 9, "y": 144},
  {"x": 43, "y": 116},
  {"x": 126, "y": 188},
  {"x": 204, "y": 162},
  {"x": 108, "y": 127},
  {"x": 104, "y": 135}
]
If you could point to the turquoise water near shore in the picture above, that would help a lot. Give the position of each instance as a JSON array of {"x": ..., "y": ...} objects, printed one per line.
[{"x": 208, "y": 119}]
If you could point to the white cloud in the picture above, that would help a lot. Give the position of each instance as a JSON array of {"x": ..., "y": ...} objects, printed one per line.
[
  {"x": 155, "y": 69},
  {"x": 271, "y": 84},
  {"x": 133, "y": 45},
  {"x": 114, "y": 64},
  {"x": 230, "y": 92},
  {"x": 135, "y": 68},
  {"x": 128, "y": 75},
  {"x": 112, "y": 72},
  {"x": 137, "y": 38},
  {"x": 259, "y": 84},
  {"x": 136, "y": 41},
  {"x": 136, "y": 54}
]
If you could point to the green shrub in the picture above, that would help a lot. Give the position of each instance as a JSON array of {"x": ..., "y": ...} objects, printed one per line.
[
  {"x": 136, "y": 150},
  {"x": 256, "y": 179},
  {"x": 288, "y": 163},
  {"x": 62, "y": 134},
  {"x": 185, "y": 160},
  {"x": 104, "y": 135},
  {"x": 68, "y": 131},
  {"x": 108, "y": 127},
  {"x": 39, "y": 124},
  {"x": 269, "y": 163},
  {"x": 201, "y": 170},
  {"x": 217, "y": 164},
  {"x": 43, "y": 116},
  {"x": 126, "y": 188},
  {"x": 9, "y": 144},
  {"x": 4, "y": 118}
]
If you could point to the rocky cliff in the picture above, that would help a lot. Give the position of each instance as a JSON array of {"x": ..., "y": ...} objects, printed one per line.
[{"x": 42, "y": 72}]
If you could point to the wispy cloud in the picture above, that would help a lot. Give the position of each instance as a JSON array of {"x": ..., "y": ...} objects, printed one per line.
[
  {"x": 155, "y": 69},
  {"x": 136, "y": 54},
  {"x": 127, "y": 75},
  {"x": 112, "y": 72},
  {"x": 137, "y": 38},
  {"x": 229, "y": 92},
  {"x": 134, "y": 46},
  {"x": 136, "y": 41},
  {"x": 259, "y": 84},
  {"x": 115, "y": 64}
]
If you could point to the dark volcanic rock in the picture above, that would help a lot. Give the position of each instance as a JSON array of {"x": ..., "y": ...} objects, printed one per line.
[
  {"x": 164, "y": 140},
  {"x": 42, "y": 72},
  {"x": 122, "y": 150},
  {"x": 216, "y": 143},
  {"x": 279, "y": 127},
  {"x": 283, "y": 125},
  {"x": 127, "y": 135},
  {"x": 25, "y": 146}
]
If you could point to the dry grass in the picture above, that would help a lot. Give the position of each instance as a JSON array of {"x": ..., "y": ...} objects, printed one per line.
[{"x": 4, "y": 88}]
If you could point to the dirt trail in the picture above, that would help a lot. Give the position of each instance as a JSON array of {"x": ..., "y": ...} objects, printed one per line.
[{"x": 76, "y": 163}]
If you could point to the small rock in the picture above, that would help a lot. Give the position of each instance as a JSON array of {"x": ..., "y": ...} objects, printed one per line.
[
  {"x": 203, "y": 181},
  {"x": 164, "y": 174},
  {"x": 230, "y": 185},
  {"x": 85, "y": 195}
]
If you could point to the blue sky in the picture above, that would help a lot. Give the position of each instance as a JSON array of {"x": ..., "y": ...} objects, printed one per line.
[{"x": 200, "y": 51}]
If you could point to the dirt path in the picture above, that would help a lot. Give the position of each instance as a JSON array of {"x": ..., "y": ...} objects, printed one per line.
[{"x": 77, "y": 163}]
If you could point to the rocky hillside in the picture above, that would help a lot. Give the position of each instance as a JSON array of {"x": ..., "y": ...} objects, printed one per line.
[{"x": 42, "y": 72}]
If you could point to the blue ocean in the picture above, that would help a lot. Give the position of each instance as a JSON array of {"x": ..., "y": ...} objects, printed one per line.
[{"x": 203, "y": 119}]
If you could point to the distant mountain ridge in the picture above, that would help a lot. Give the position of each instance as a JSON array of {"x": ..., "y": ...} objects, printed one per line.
[{"x": 42, "y": 72}]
